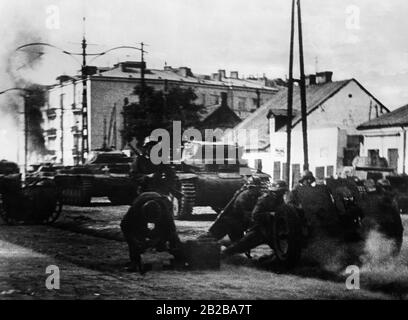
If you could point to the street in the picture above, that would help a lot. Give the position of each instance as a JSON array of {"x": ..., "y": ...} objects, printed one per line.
[{"x": 87, "y": 247}]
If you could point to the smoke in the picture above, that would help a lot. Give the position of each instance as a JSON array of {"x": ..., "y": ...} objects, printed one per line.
[{"x": 17, "y": 69}]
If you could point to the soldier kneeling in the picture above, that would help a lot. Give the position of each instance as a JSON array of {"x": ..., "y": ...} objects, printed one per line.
[
  {"x": 155, "y": 210},
  {"x": 261, "y": 229}
]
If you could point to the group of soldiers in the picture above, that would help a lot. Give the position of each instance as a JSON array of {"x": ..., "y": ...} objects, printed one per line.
[
  {"x": 248, "y": 219},
  {"x": 149, "y": 222}
]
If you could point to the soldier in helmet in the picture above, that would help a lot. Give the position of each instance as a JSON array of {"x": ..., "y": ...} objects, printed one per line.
[
  {"x": 237, "y": 215},
  {"x": 149, "y": 224},
  {"x": 260, "y": 232},
  {"x": 307, "y": 178}
]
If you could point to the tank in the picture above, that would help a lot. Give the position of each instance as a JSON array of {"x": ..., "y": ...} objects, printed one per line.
[
  {"x": 36, "y": 202},
  {"x": 209, "y": 174},
  {"x": 105, "y": 174}
]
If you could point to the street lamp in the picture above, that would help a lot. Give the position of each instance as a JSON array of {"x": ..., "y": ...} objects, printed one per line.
[
  {"x": 28, "y": 92},
  {"x": 85, "y": 71}
]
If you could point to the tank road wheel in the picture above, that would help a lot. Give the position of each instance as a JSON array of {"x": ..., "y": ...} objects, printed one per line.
[
  {"x": 287, "y": 236},
  {"x": 187, "y": 202},
  {"x": 55, "y": 214},
  {"x": 82, "y": 194}
]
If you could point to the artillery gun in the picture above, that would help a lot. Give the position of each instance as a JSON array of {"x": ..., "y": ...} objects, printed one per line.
[
  {"x": 342, "y": 210},
  {"x": 38, "y": 201}
]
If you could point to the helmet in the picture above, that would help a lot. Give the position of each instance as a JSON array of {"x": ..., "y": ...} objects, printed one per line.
[
  {"x": 384, "y": 183},
  {"x": 256, "y": 180},
  {"x": 369, "y": 184},
  {"x": 152, "y": 210},
  {"x": 279, "y": 186},
  {"x": 307, "y": 176}
]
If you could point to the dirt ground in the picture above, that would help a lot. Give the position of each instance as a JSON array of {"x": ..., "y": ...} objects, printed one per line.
[{"x": 87, "y": 246}]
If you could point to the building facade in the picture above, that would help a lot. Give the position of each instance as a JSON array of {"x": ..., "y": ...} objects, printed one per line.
[
  {"x": 386, "y": 137},
  {"x": 334, "y": 111},
  {"x": 107, "y": 89}
]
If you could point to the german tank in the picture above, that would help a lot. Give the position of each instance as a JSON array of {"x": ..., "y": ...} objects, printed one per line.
[
  {"x": 209, "y": 174},
  {"x": 106, "y": 173}
]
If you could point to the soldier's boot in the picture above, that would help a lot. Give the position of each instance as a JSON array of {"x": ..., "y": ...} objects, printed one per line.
[{"x": 251, "y": 240}]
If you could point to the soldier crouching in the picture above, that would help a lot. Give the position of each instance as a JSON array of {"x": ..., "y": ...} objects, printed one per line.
[
  {"x": 149, "y": 209},
  {"x": 261, "y": 230}
]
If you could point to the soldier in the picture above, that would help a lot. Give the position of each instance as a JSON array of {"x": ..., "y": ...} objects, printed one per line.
[
  {"x": 150, "y": 208},
  {"x": 260, "y": 232},
  {"x": 142, "y": 166},
  {"x": 237, "y": 216},
  {"x": 307, "y": 180}
]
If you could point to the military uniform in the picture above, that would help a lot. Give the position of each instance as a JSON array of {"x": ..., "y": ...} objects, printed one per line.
[
  {"x": 260, "y": 231},
  {"x": 135, "y": 229}
]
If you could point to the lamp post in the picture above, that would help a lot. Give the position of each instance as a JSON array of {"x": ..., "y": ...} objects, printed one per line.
[{"x": 85, "y": 72}]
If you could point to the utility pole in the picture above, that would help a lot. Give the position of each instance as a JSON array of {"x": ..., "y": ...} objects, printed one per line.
[
  {"x": 290, "y": 97},
  {"x": 25, "y": 110},
  {"x": 84, "y": 133},
  {"x": 303, "y": 102},
  {"x": 62, "y": 125},
  {"x": 142, "y": 73}
]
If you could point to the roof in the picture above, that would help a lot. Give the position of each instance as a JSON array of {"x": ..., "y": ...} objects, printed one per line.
[
  {"x": 171, "y": 74},
  {"x": 396, "y": 118},
  {"x": 316, "y": 95},
  {"x": 220, "y": 114}
]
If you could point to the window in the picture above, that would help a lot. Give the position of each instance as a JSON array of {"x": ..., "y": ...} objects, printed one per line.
[
  {"x": 295, "y": 173},
  {"x": 284, "y": 176},
  {"x": 215, "y": 99},
  {"x": 241, "y": 103},
  {"x": 329, "y": 171},
  {"x": 224, "y": 97},
  {"x": 392, "y": 158},
  {"x": 320, "y": 173},
  {"x": 276, "y": 170},
  {"x": 374, "y": 156}
]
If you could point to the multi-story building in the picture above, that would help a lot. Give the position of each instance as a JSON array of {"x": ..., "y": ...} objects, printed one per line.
[{"x": 107, "y": 89}]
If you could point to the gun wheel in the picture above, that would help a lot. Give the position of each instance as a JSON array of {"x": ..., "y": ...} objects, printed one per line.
[
  {"x": 187, "y": 202},
  {"x": 287, "y": 236}
]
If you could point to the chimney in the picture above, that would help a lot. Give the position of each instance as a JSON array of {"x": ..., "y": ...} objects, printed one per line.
[
  {"x": 168, "y": 68},
  {"x": 221, "y": 74},
  {"x": 184, "y": 72},
  {"x": 310, "y": 79},
  {"x": 234, "y": 74},
  {"x": 324, "y": 77},
  {"x": 214, "y": 76}
]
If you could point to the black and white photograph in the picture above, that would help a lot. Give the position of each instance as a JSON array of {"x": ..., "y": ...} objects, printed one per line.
[{"x": 215, "y": 152}]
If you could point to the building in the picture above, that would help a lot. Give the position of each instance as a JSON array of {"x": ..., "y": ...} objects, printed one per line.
[
  {"x": 334, "y": 109},
  {"x": 108, "y": 87},
  {"x": 386, "y": 137}
]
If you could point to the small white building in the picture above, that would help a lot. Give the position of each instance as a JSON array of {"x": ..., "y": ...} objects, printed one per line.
[
  {"x": 386, "y": 137},
  {"x": 334, "y": 109}
]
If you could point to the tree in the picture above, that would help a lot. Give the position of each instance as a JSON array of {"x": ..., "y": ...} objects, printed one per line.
[{"x": 157, "y": 109}]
